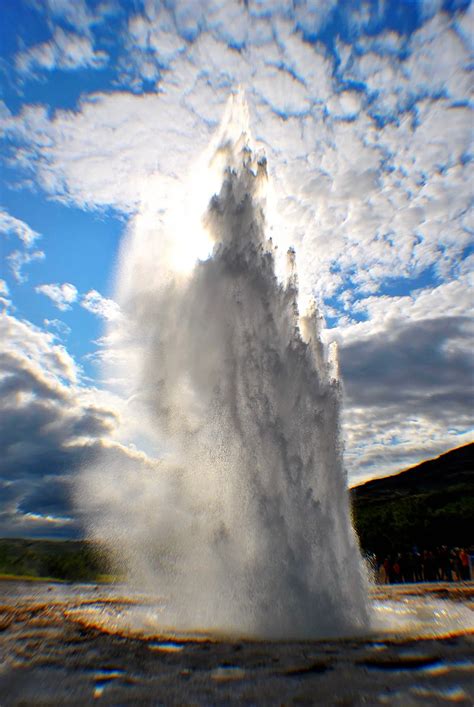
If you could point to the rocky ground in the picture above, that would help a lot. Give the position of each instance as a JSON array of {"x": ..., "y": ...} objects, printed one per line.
[{"x": 51, "y": 656}]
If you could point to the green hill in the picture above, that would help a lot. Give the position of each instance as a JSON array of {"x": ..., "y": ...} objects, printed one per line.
[
  {"x": 429, "y": 505},
  {"x": 70, "y": 560}
]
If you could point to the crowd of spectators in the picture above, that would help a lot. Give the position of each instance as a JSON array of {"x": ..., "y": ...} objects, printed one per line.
[{"x": 440, "y": 565}]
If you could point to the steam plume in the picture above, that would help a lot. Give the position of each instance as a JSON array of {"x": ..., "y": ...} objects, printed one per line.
[{"x": 244, "y": 525}]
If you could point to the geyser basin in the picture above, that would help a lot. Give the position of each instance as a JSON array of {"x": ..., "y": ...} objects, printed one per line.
[
  {"x": 419, "y": 613},
  {"x": 244, "y": 526},
  {"x": 53, "y": 653}
]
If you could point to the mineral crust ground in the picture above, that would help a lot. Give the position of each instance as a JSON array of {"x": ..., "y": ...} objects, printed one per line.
[{"x": 52, "y": 655}]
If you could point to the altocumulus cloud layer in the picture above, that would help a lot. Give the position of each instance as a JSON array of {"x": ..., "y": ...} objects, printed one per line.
[{"x": 363, "y": 111}]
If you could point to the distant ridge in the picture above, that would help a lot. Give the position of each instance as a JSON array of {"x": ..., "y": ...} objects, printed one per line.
[
  {"x": 427, "y": 505},
  {"x": 454, "y": 466}
]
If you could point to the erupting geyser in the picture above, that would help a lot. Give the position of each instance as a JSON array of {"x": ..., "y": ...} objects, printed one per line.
[{"x": 244, "y": 526}]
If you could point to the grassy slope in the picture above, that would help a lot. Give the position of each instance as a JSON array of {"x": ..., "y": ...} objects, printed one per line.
[
  {"x": 428, "y": 505},
  {"x": 70, "y": 560}
]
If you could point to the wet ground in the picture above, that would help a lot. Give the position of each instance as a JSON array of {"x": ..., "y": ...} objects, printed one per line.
[{"x": 55, "y": 651}]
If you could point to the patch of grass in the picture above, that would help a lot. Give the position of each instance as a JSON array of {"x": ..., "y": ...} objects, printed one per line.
[
  {"x": 429, "y": 505},
  {"x": 28, "y": 578},
  {"x": 69, "y": 561}
]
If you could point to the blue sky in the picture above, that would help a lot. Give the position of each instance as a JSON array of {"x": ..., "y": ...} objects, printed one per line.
[{"x": 364, "y": 112}]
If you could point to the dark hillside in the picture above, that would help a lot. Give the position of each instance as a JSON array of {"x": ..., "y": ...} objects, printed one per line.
[
  {"x": 70, "y": 560},
  {"x": 428, "y": 505}
]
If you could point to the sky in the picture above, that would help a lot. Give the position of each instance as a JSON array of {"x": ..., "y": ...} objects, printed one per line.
[{"x": 363, "y": 110}]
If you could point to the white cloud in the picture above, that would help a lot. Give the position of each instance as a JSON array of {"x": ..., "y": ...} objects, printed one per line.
[
  {"x": 101, "y": 306},
  {"x": 60, "y": 326},
  {"x": 78, "y": 14},
  {"x": 450, "y": 299},
  {"x": 346, "y": 104},
  {"x": 9, "y": 224},
  {"x": 51, "y": 362},
  {"x": 18, "y": 259},
  {"x": 309, "y": 64},
  {"x": 436, "y": 43},
  {"x": 63, "y": 296},
  {"x": 284, "y": 93},
  {"x": 407, "y": 373},
  {"x": 105, "y": 153},
  {"x": 352, "y": 194},
  {"x": 311, "y": 15},
  {"x": 50, "y": 426},
  {"x": 464, "y": 24},
  {"x": 437, "y": 63},
  {"x": 5, "y": 302},
  {"x": 66, "y": 50},
  {"x": 154, "y": 37}
]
